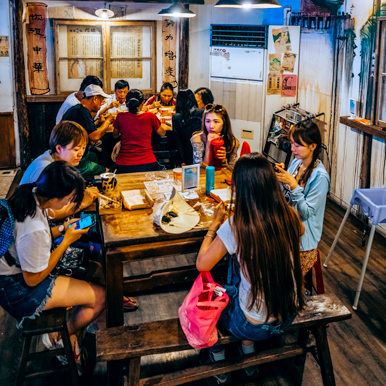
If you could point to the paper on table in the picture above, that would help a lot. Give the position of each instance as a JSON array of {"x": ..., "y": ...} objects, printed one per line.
[{"x": 223, "y": 195}]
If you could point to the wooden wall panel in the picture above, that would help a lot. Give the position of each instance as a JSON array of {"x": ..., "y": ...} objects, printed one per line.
[
  {"x": 7, "y": 144},
  {"x": 41, "y": 116}
]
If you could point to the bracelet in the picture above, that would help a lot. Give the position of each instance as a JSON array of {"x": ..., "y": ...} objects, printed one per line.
[{"x": 212, "y": 236}]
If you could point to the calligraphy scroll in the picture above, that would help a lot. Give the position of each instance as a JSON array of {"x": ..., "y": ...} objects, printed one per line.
[
  {"x": 4, "y": 46},
  {"x": 36, "y": 48},
  {"x": 126, "y": 42},
  {"x": 84, "y": 42},
  {"x": 169, "y": 55}
]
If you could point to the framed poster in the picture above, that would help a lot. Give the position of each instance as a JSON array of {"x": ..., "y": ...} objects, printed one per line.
[{"x": 110, "y": 50}]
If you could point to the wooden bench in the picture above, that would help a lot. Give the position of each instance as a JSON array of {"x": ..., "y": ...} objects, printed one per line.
[{"x": 164, "y": 336}]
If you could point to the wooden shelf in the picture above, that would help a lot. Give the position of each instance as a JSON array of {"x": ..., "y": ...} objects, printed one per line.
[
  {"x": 45, "y": 98},
  {"x": 376, "y": 131}
]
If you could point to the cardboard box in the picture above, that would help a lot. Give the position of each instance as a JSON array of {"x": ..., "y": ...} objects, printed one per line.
[{"x": 136, "y": 199}]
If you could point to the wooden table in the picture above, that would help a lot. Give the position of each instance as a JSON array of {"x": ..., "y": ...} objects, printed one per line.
[{"x": 132, "y": 235}]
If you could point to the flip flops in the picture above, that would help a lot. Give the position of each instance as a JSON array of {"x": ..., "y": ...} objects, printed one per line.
[{"x": 130, "y": 304}]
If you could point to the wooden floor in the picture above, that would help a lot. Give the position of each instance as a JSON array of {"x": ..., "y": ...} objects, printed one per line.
[{"x": 358, "y": 346}]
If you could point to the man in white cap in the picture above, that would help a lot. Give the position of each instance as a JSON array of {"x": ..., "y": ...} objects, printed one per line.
[{"x": 94, "y": 98}]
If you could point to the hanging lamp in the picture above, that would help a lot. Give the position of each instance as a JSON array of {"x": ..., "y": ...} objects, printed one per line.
[
  {"x": 104, "y": 13},
  {"x": 255, "y": 4},
  {"x": 177, "y": 10}
]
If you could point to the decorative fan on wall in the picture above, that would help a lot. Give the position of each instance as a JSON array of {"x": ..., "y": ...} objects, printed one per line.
[{"x": 331, "y": 4}]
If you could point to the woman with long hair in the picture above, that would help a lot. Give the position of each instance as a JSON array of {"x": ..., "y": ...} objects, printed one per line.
[
  {"x": 185, "y": 122},
  {"x": 165, "y": 98},
  {"x": 135, "y": 129},
  {"x": 28, "y": 286},
  {"x": 264, "y": 233},
  {"x": 215, "y": 123},
  {"x": 306, "y": 184}
]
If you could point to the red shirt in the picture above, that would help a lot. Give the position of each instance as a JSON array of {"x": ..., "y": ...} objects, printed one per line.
[{"x": 136, "y": 130}]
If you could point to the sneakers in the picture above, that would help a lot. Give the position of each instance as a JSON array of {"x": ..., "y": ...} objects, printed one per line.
[
  {"x": 53, "y": 346},
  {"x": 206, "y": 357},
  {"x": 251, "y": 372},
  {"x": 79, "y": 353}
]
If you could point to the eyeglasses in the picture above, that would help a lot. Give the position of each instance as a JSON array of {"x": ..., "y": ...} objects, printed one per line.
[{"x": 211, "y": 107}]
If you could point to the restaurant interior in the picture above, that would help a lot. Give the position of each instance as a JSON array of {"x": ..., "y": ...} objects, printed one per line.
[{"x": 224, "y": 162}]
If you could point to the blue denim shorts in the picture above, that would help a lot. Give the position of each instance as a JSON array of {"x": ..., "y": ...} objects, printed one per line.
[
  {"x": 234, "y": 319},
  {"x": 22, "y": 301}
]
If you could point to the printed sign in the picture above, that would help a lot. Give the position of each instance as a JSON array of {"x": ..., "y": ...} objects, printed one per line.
[
  {"x": 289, "y": 86},
  {"x": 281, "y": 40}
]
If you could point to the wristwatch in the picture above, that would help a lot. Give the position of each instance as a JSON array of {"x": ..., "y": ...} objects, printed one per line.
[{"x": 61, "y": 229}]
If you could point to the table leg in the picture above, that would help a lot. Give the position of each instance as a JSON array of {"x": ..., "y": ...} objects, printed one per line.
[{"x": 114, "y": 310}]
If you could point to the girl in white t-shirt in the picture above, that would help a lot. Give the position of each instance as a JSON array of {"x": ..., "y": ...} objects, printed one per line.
[
  {"x": 27, "y": 285},
  {"x": 264, "y": 233}
]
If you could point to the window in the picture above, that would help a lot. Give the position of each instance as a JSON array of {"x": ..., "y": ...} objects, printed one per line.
[
  {"x": 111, "y": 50},
  {"x": 380, "y": 88}
]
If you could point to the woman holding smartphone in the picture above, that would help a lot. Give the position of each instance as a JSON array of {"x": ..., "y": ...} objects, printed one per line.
[
  {"x": 306, "y": 184},
  {"x": 28, "y": 287}
]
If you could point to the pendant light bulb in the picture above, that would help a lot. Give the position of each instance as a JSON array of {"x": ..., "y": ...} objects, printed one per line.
[{"x": 177, "y": 10}]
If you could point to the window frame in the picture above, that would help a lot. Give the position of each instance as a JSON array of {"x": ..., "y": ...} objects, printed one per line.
[
  {"x": 378, "y": 74},
  {"x": 106, "y": 68}
]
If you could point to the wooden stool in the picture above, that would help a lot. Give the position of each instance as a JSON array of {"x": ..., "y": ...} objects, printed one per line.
[
  {"x": 317, "y": 267},
  {"x": 49, "y": 321}
]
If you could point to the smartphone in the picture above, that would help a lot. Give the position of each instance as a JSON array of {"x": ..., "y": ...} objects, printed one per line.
[{"x": 84, "y": 222}]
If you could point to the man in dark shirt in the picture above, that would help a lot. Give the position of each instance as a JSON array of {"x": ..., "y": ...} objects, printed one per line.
[{"x": 81, "y": 114}]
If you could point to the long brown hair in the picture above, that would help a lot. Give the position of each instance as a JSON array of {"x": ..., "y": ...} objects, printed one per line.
[
  {"x": 229, "y": 138},
  {"x": 267, "y": 233},
  {"x": 308, "y": 132}
]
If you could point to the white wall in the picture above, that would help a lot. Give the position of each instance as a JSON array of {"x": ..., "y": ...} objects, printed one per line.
[{"x": 199, "y": 32}]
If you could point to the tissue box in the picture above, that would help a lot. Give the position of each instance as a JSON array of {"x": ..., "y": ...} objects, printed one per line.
[{"x": 136, "y": 199}]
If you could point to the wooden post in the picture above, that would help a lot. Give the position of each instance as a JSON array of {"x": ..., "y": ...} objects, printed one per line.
[
  {"x": 183, "y": 53},
  {"x": 20, "y": 84}
]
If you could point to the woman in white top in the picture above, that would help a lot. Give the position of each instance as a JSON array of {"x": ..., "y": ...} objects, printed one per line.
[
  {"x": 264, "y": 233},
  {"x": 27, "y": 286}
]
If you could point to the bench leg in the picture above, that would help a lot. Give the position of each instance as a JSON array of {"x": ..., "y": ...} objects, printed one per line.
[
  {"x": 325, "y": 363},
  {"x": 133, "y": 372},
  {"x": 337, "y": 236},
  {"x": 302, "y": 341}
]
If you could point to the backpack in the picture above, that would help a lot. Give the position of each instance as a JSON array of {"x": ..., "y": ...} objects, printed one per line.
[{"x": 7, "y": 222}]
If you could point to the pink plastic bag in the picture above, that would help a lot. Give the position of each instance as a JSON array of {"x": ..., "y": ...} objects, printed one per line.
[{"x": 201, "y": 310}]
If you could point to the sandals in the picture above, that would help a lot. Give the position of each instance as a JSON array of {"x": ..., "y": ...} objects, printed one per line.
[{"x": 130, "y": 304}]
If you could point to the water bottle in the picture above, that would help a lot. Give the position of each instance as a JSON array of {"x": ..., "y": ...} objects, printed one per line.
[{"x": 209, "y": 182}]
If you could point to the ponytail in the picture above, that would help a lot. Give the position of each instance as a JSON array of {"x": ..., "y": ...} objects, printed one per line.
[
  {"x": 134, "y": 99},
  {"x": 23, "y": 202},
  {"x": 307, "y": 132},
  {"x": 57, "y": 180}
]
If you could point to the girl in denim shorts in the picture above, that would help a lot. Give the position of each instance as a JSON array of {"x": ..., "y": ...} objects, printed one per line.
[
  {"x": 265, "y": 278},
  {"x": 26, "y": 284}
]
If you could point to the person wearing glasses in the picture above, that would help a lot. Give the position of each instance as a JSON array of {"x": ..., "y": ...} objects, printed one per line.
[
  {"x": 116, "y": 102},
  {"x": 215, "y": 124}
]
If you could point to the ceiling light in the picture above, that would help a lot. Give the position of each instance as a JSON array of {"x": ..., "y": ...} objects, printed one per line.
[
  {"x": 256, "y": 4},
  {"x": 177, "y": 10},
  {"x": 104, "y": 13}
]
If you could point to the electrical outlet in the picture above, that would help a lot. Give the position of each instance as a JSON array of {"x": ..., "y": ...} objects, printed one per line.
[{"x": 247, "y": 134}]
